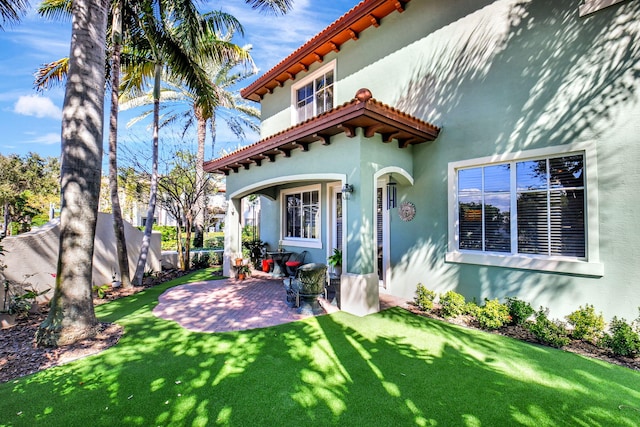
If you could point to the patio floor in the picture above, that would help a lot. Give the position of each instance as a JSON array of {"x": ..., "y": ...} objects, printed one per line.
[{"x": 232, "y": 305}]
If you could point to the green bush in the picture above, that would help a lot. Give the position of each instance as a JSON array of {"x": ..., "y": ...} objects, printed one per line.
[
  {"x": 519, "y": 310},
  {"x": 214, "y": 242},
  {"x": 624, "y": 339},
  {"x": 200, "y": 260},
  {"x": 493, "y": 314},
  {"x": 549, "y": 332},
  {"x": 471, "y": 308},
  {"x": 101, "y": 290},
  {"x": 452, "y": 304},
  {"x": 587, "y": 325},
  {"x": 424, "y": 298}
]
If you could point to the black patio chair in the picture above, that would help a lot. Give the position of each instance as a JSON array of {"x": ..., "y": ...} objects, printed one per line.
[
  {"x": 295, "y": 261},
  {"x": 305, "y": 288}
]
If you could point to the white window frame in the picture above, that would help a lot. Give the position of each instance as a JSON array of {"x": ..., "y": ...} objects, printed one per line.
[
  {"x": 588, "y": 7},
  {"x": 589, "y": 266},
  {"x": 331, "y": 66},
  {"x": 299, "y": 241}
]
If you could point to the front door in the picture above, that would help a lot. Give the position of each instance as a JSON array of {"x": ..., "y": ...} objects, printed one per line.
[
  {"x": 382, "y": 234},
  {"x": 335, "y": 218}
]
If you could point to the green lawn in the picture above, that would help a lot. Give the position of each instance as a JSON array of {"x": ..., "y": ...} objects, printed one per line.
[{"x": 388, "y": 369}]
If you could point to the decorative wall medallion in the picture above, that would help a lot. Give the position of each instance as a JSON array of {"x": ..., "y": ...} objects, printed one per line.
[{"x": 407, "y": 211}]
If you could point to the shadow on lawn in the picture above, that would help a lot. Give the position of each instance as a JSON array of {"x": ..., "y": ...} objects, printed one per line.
[{"x": 392, "y": 368}]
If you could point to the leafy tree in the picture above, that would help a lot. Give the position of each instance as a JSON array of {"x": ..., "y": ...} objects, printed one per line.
[
  {"x": 28, "y": 185},
  {"x": 179, "y": 195}
]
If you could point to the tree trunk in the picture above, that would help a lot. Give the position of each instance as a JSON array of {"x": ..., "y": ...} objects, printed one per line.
[
  {"x": 118, "y": 223},
  {"x": 153, "y": 191},
  {"x": 198, "y": 241},
  {"x": 180, "y": 247},
  {"x": 72, "y": 316},
  {"x": 6, "y": 219},
  {"x": 187, "y": 241}
]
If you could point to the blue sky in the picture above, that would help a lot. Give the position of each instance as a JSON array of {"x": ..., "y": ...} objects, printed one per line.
[{"x": 30, "y": 121}]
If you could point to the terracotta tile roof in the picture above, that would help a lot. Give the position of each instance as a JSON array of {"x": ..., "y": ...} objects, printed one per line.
[
  {"x": 365, "y": 14},
  {"x": 361, "y": 112}
]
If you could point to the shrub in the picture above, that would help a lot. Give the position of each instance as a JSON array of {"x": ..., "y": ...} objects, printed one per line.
[
  {"x": 493, "y": 314},
  {"x": 424, "y": 297},
  {"x": 200, "y": 260},
  {"x": 101, "y": 290},
  {"x": 587, "y": 325},
  {"x": 471, "y": 308},
  {"x": 624, "y": 339},
  {"x": 519, "y": 310},
  {"x": 452, "y": 304},
  {"x": 214, "y": 242},
  {"x": 549, "y": 332}
]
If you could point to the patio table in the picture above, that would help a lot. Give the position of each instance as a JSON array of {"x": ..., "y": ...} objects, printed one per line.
[{"x": 279, "y": 258}]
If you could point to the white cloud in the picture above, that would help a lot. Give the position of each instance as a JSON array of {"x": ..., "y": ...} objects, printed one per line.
[
  {"x": 46, "y": 139},
  {"x": 37, "y": 106},
  {"x": 275, "y": 37}
]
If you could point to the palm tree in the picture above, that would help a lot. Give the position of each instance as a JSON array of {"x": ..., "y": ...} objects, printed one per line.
[
  {"x": 55, "y": 72},
  {"x": 237, "y": 114},
  {"x": 165, "y": 47},
  {"x": 118, "y": 223},
  {"x": 10, "y": 11},
  {"x": 72, "y": 316}
]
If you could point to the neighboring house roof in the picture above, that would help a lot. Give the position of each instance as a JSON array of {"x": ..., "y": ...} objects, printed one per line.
[
  {"x": 363, "y": 111},
  {"x": 365, "y": 14}
]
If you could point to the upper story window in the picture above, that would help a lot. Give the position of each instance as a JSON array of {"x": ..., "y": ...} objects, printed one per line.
[
  {"x": 530, "y": 212},
  {"x": 313, "y": 95}
]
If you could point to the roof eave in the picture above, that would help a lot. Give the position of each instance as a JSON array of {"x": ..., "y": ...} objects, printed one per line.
[
  {"x": 362, "y": 112},
  {"x": 348, "y": 27}
]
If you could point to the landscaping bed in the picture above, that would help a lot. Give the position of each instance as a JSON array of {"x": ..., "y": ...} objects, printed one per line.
[
  {"x": 522, "y": 333},
  {"x": 20, "y": 356}
]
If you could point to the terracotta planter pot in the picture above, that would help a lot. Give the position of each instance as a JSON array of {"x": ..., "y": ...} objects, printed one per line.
[
  {"x": 241, "y": 276},
  {"x": 238, "y": 262}
]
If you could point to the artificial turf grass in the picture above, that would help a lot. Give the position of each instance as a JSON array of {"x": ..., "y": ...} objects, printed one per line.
[{"x": 391, "y": 368}]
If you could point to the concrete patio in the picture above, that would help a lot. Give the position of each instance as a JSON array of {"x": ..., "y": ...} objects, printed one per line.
[{"x": 233, "y": 305}]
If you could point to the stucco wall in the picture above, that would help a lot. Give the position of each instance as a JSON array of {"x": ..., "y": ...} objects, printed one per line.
[
  {"x": 507, "y": 77},
  {"x": 499, "y": 77},
  {"x": 32, "y": 257}
]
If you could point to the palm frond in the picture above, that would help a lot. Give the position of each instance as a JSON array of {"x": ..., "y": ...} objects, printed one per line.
[
  {"x": 274, "y": 6},
  {"x": 51, "y": 74},
  {"x": 11, "y": 11},
  {"x": 58, "y": 10}
]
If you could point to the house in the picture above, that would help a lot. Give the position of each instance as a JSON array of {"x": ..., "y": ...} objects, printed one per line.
[{"x": 486, "y": 147}]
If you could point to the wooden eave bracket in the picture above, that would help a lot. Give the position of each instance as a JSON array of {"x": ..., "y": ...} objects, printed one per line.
[
  {"x": 349, "y": 131},
  {"x": 303, "y": 145},
  {"x": 400, "y": 6}
]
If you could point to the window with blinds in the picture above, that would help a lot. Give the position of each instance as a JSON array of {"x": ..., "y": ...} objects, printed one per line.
[{"x": 533, "y": 207}]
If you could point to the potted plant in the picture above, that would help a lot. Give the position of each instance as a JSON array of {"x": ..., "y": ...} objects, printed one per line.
[
  {"x": 335, "y": 261},
  {"x": 243, "y": 271}
]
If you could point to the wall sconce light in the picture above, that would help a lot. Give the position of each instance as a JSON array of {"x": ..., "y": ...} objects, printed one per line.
[
  {"x": 392, "y": 195},
  {"x": 347, "y": 189}
]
